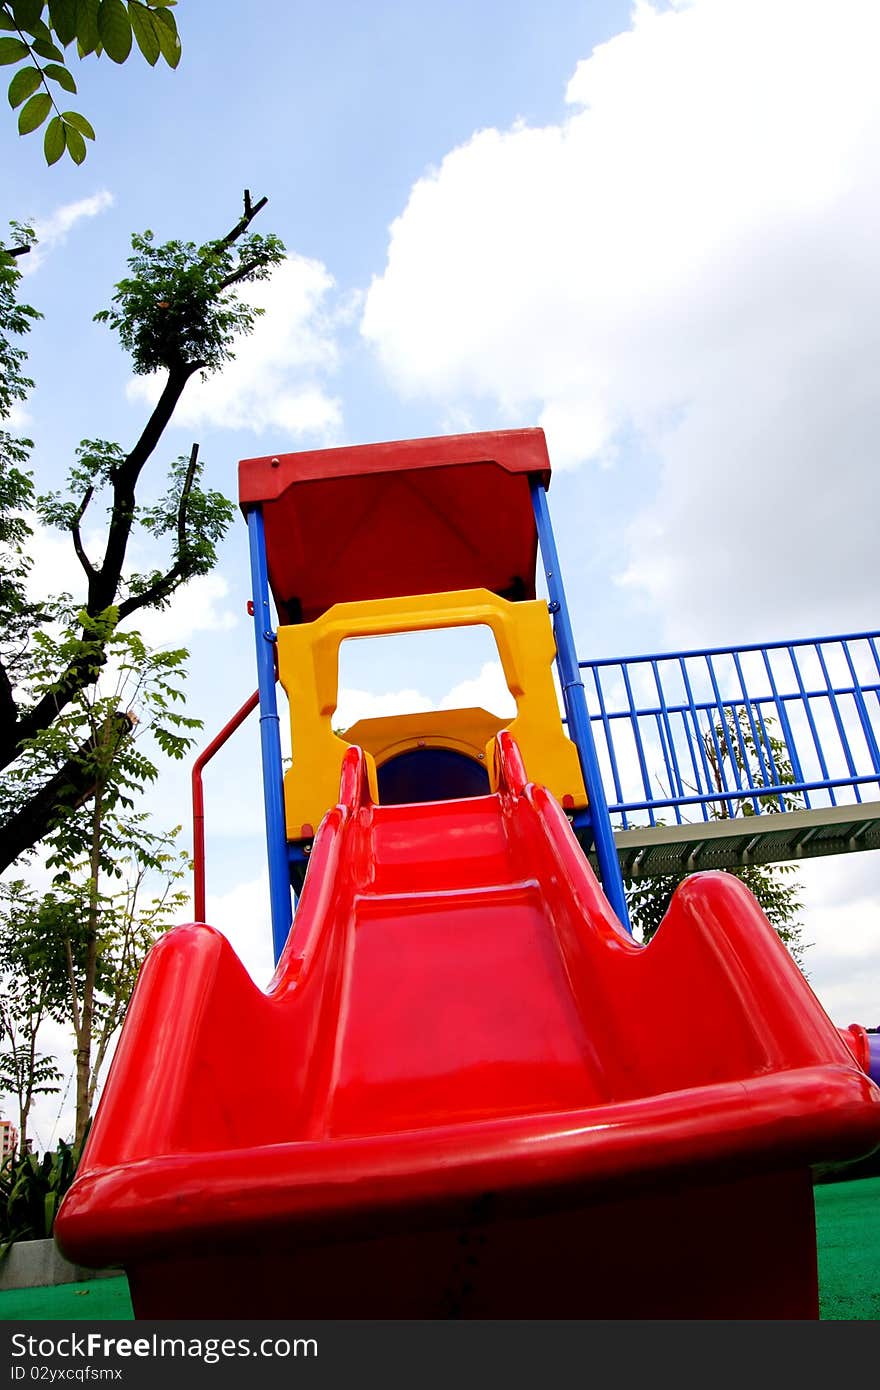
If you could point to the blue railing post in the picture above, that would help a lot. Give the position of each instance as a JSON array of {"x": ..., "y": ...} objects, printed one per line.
[
  {"x": 270, "y": 737},
  {"x": 577, "y": 714}
]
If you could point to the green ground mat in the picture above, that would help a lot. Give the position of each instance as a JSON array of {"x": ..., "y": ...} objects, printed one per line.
[
  {"x": 848, "y": 1235},
  {"x": 99, "y": 1300}
]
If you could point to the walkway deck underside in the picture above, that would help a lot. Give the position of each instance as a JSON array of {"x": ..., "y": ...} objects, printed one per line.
[{"x": 732, "y": 844}]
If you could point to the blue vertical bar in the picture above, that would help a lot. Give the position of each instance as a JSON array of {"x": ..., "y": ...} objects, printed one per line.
[
  {"x": 838, "y": 720},
  {"x": 785, "y": 723},
  {"x": 749, "y": 706},
  {"x": 609, "y": 740},
  {"x": 823, "y": 766},
  {"x": 864, "y": 717},
  {"x": 575, "y": 701},
  {"x": 640, "y": 747},
  {"x": 270, "y": 738},
  {"x": 696, "y": 738},
  {"x": 774, "y": 772},
  {"x": 666, "y": 738}
]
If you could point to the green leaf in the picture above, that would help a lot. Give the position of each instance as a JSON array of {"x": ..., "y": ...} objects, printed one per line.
[
  {"x": 63, "y": 76},
  {"x": 144, "y": 29},
  {"x": 33, "y": 113},
  {"x": 63, "y": 16},
  {"x": 11, "y": 50},
  {"x": 87, "y": 36},
  {"x": 55, "y": 141},
  {"x": 76, "y": 145},
  {"x": 114, "y": 29},
  {"x": 47, "y": 50},
  {"x": 166, "y": 33},
  {"x": 39, "y": 30},
  {"x": 24, "y": 83},
  {"x": 79, "y": 123},
  {"x": 27, "y": 13}
]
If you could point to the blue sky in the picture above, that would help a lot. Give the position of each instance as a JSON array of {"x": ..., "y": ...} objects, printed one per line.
[{"x": 650, "y": 229}]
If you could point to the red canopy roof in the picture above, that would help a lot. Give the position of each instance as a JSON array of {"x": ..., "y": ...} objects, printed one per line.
[{"x": 416, "y": 516}]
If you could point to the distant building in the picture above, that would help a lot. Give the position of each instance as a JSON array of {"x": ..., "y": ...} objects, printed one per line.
[{"x": 8, "y": 1140}]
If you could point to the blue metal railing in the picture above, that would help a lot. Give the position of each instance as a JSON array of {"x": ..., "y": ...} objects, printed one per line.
[
  {"x": 737, "y": 730},
  {"x": 270, "y": 739},
  {"x": 576, "y": 710}
]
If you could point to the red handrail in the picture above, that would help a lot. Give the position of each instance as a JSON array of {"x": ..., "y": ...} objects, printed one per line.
[{"x": 198, "y": 801}]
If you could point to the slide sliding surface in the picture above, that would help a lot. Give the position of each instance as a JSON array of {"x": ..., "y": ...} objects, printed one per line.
[{"x": 468, "y": 1092}]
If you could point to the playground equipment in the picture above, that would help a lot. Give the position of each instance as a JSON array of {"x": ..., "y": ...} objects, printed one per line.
[
  {"x": 740, "y": 755},
  {"x": 467, "y": 1090}
]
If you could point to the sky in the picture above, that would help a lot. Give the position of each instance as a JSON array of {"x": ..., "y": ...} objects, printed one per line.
[{"x": 650, "y": 229}]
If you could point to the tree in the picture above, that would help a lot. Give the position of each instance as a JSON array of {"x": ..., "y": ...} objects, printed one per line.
[
  {"x": 177, "y": 313},
  {"x": 98, "y": 936},
  {"x": 37, "y": 33},
  {"x": 28, "y": 998},
  {"x": 113, "y": 887},
  {"x": 745, "y": 742}
]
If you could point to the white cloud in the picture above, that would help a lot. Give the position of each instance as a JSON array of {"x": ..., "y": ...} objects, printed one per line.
[
  {"x": 243, "y": 916},
  {"x": 55, "y": 568},
  {"x": 367, "y": 704},
  {"x": 200, "y": 606},
  {"x": 486, "y": 691},
  {"x": 841, "y": 920},
  {"x": 53, "y": 230},
  {"x": 277, "y": 380},
  {"x": 688, "y": 259}
]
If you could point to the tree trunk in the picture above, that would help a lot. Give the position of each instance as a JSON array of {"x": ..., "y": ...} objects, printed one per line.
[
  {"x": 84, "y": 1034},
  {"x": 83, "y": 1055},
  {"x": 69, "y": 789}
]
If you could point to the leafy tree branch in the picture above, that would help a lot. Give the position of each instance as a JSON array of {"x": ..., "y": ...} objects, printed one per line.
[
  {"x": 177, "y": 312},
  {"x": 39, "y": 31}
]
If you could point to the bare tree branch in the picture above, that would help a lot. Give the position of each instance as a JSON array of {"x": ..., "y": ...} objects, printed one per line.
[
  {"x": 77, "y": 538},
  {"x": 250, "y": 212},
  {"x": 104, "y": 582},
  {"x": 103, "y": 592},
  {"x": 184, "y": 498},
  {"x": 165, "y": 585},
  {"x": 242, "y": 273}
]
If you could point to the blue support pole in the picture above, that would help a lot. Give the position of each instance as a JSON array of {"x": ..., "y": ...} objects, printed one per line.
[
  {"x": 270, "y": 738},
  {"x": 577, "y": 714}
]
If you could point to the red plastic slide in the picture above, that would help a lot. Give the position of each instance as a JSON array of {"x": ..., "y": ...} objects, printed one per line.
[{"x": 467, "y": 1092}]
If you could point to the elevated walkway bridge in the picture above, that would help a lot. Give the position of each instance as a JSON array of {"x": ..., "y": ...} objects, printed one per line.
[{"x": 739, "y": 755}]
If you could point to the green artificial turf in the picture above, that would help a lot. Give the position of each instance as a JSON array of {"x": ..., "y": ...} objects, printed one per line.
[
  {"x": 848, "y": 1238},
  {"x": 99, "y": 1300}
]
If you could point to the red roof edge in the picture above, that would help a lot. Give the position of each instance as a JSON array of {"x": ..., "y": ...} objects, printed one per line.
[{"x": 516, "y": 451}]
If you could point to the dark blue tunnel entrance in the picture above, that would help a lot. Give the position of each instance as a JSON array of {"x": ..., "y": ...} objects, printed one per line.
[{"x": 430, "y": 774}]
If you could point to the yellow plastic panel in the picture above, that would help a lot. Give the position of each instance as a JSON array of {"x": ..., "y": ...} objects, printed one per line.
[
  {"x": 308, "y": 667},
  {"x": 465, "y": 731}
]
